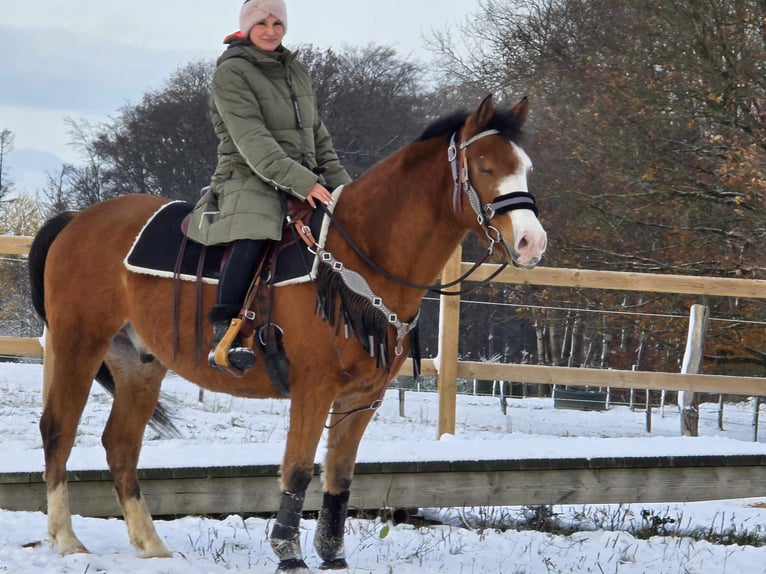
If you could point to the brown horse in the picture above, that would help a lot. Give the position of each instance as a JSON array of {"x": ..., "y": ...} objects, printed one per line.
[{"x": 407, "y": 215}]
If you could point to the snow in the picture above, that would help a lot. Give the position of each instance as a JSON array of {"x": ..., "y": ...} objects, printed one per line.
[{"x": 224, "y": 429}]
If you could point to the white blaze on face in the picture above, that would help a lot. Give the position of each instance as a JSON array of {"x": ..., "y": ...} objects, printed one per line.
[{"x": 529, "y": 237}]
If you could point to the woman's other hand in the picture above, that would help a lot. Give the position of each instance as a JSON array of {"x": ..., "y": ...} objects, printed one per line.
[{"x": 318, "y": 193}]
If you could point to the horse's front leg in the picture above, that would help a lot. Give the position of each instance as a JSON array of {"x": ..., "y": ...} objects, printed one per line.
[
  {"x": 307, "y": 417},
  {"x": 342, "y": 445}
]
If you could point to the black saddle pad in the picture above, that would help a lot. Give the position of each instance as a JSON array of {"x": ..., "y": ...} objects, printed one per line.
[{"x": 155, "y": 250}]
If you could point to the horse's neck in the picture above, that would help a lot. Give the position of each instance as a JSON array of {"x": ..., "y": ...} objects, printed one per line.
[{"x": 400, "y": 213}]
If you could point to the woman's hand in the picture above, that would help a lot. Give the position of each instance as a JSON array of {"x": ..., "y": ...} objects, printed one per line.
[{"x": 318, "y": 193}]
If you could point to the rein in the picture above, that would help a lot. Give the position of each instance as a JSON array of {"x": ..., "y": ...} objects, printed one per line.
[
  {"x": 433, "y": 288},
  {"x": 484, "y": 214}
]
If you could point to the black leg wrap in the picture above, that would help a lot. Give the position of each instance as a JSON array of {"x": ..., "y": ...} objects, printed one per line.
[
  {"x": 328, "y": 540},
  {"x": 285, "y": 535}
]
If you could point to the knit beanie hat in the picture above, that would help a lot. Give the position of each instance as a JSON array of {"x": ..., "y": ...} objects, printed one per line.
[{"x": 256, "y": 10}]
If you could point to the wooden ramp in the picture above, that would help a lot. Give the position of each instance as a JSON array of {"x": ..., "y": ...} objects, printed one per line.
[{"x": 254, "y": 489}]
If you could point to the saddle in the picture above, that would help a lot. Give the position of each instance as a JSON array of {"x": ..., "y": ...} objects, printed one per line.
[
  {"x": 163, "y": 249},
  {"x": 254, "y": 322}
]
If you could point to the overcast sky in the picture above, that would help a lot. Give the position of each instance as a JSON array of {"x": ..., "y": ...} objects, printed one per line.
[{"x": 87, "y": 58}]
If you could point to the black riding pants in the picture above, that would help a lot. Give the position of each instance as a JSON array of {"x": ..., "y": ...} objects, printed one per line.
[{"x": 237, "y": 273}]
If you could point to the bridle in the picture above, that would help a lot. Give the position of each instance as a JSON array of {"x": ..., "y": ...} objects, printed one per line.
[
  {"x": 456, "y": 155},
  {"x": 484, "y": 214}
]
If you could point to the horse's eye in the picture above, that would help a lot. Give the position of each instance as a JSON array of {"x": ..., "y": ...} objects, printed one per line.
[{"x": 485, "y": 170}]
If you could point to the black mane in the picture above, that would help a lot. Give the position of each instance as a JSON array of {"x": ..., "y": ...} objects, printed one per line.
[{"x": 504, "y": 121}]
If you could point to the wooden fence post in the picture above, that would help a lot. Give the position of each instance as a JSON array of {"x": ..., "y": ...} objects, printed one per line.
[
  {"x": 688, "y": 402},
  {"x": 449, "y": 327}
]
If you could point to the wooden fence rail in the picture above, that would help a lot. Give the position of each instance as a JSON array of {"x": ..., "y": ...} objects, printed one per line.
[
  {"x": 581, "y": 480},
  {"x": 625, "y": 281}
]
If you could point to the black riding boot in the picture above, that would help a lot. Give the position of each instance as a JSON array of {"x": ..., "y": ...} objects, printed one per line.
[
  {"x": 240, "y": 356},
  {"x": 233, "y": 284}
]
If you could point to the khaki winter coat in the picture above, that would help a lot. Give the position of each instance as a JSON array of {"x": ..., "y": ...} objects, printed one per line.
[{"x": 261, "y": 152}]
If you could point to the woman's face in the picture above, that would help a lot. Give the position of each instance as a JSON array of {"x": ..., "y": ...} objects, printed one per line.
[{"x": 267, "y": 34}]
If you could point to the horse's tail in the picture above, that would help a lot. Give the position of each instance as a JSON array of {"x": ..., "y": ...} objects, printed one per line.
[
  {"x": 161, "y": 420},
  {"x": 38, "y": 253}
]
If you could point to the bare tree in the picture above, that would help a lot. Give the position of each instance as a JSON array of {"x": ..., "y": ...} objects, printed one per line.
[
  {"x": 6, "y": 146},
  {"x": 650, "y": 154},
  {"x": 18, "y": 216},
  {"x": 370, "y": 99}
]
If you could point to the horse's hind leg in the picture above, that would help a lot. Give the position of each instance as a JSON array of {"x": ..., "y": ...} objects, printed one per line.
[
  {"x": 136, "y": 390},
  {"x": 64, "y": 400}
]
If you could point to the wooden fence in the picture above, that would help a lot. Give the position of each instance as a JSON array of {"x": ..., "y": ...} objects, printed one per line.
[
  {"x": 18, "y": 346},
  {"x": 444, "y": 483},
  {"x": 451, "y": 368}
]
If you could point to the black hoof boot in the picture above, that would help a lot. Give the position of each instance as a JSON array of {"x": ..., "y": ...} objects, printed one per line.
[
  {"x": 292, "y": 566},
  {"x": 337, "y": 564}
]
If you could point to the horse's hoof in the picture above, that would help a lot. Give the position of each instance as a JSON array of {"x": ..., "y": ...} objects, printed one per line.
[
  {"x": 67, "y": 543},
  {"x": 67, "y": 550},
  {"x": 293, "y": 566},
  {"x": 337, "y": 564},
  {"x": 157, "y": 552}
]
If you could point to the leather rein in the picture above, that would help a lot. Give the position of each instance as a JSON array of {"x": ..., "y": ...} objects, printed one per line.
[{"x": 484, "y": 214}]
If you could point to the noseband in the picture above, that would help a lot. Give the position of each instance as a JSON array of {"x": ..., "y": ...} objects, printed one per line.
[{"x": 484, "y": 212}]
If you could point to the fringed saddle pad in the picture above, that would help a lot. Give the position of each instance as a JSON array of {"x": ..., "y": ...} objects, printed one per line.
[{"x": 155, "y": 249}]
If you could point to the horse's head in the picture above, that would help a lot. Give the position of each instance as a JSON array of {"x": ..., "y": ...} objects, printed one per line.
[{"x": 490, "y": 170}]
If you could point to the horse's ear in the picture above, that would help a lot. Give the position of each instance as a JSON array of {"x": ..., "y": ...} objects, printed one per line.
[
  {"x": 521, "y": 110},
  {"x": 486, "y": 111},
  {"x": 478, "y": 120}
]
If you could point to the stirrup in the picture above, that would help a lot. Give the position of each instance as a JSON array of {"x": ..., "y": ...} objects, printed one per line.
[{"x": 234, "y": 361}]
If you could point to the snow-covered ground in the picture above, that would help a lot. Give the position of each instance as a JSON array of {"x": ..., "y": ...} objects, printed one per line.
[{"x": 223, "y": 428}]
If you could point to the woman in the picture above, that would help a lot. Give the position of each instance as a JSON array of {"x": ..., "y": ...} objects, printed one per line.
[{"x": 271, "y": 141}]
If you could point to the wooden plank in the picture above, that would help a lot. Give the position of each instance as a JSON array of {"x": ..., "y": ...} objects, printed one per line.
[
  {"x": 735, "y": 385},
  {"x": 574, "y": 278},
  {"x": 755, "y": 386},
  {"x": 430, "y": 484},
  {"x": 15, "y": 244},
  {"x": 20, "y": 347},
  {"x": 625, "y": 281}
]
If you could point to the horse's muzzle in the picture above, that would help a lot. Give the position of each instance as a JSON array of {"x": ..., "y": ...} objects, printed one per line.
[{"x": 530, "y": 264}]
